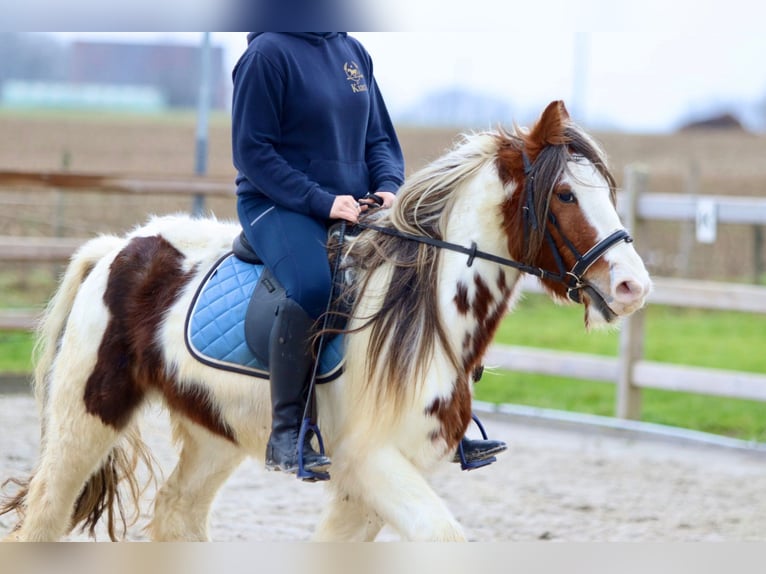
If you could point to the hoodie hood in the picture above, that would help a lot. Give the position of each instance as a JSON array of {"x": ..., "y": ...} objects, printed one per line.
[{"x": 314, "y": 37}]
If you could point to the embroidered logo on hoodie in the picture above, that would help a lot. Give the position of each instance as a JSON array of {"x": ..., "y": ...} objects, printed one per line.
[{"x": 355, "y": 77}]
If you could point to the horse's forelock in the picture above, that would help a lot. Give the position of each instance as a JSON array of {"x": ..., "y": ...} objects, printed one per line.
[{"x": 581, "y": 144}]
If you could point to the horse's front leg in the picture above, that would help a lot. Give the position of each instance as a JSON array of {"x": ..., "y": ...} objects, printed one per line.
[
  {"x": 347, "y": 518},
  {"x": 391, "y": 487}
]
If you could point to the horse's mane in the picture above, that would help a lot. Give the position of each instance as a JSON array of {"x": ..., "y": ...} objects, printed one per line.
[{"x": 407, "y": 327}]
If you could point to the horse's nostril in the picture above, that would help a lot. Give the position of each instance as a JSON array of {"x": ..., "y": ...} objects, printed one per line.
[{"x": 628, "y": 290}]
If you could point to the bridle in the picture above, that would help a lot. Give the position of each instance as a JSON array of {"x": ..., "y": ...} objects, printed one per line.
[{"x": 573, "y": 279}]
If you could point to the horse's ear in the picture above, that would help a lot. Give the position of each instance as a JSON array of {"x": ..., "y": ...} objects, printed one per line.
[{"x": 549, "y": 130}]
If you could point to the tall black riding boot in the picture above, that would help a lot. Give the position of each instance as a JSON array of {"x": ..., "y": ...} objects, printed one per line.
[{"x": 290, "y": 362}]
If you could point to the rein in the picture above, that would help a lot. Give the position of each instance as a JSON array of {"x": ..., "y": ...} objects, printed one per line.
[
  {"x": 473, "y": 251},
  {"x": 572, "y": 279}
]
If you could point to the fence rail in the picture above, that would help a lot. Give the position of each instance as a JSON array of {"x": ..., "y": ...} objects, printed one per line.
[
  {"x": 37, "y": 249},
  {"x": 62, "y": 180},
  {"x": 677, "y": 207},
  {"x": 629, "y": 371},
  {"x": 18, "y": 320},
  {"x": 646, "y": 374}
]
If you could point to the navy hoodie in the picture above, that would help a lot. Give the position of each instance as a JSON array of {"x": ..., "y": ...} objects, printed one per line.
[{"x": 308, "y": 122}]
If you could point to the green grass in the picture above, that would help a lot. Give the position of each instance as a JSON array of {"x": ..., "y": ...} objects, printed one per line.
[
  {"x": 15, "y": 352},
  {"x": 725, "y": 340},
  {"x": 717, "y": 339}
]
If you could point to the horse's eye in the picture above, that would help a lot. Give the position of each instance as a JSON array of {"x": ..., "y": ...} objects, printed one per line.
[{"x": 567, "y": 197}]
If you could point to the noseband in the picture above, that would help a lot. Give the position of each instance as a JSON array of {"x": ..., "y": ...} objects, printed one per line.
[{"x": 573, "y": 279}]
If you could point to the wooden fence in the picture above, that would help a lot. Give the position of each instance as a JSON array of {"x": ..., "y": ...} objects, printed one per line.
[
  {"x": 629, "y": 371},
  {"x": 59, "y": 180}
]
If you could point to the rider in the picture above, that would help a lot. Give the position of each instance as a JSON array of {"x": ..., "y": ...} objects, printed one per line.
[{"x": 311, "y": 136}]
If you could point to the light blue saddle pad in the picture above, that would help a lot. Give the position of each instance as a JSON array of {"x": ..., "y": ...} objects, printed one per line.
[{"x": 215, "y": 325}]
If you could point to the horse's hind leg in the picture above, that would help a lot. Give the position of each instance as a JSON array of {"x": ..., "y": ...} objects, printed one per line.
[
  {"x": 89, "y": 405},
  {"x": 75, "y": 446},
  {"x": 182, "y": 505},
  {"x": 347, "y": 518}
]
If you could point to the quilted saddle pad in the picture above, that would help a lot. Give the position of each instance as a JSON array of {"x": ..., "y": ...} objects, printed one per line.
[{"x": 215, "y": 324}]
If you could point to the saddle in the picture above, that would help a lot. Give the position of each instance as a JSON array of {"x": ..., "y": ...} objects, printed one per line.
[
  {"x": 264, "y": 301},
  {"x": 230, "y": 318}
]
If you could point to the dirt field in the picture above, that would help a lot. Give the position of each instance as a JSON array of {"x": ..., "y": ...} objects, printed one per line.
[{"x": 551, "y": 485}]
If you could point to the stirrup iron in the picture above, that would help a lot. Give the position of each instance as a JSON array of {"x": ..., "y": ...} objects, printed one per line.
[
  {"x": 305, "y": 474},
  {"x": 472, "y": 465}
]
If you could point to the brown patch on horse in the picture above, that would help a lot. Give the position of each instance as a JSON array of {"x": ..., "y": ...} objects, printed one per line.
[
  {"x": 461, "y": 299},
  {"x": 145, "y": 279},
  {"x": 482, "y": 300},
  {"x": 502, "y": 283},
  {"x": 467, "y": 342},
  {"x": 454, "y": 413},
  {"x": 475, "y": 344},
  {"x": 512, "y": 223}
]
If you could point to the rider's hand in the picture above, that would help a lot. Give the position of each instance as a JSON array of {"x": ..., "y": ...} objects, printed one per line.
[{"x": 345, "y": 207}]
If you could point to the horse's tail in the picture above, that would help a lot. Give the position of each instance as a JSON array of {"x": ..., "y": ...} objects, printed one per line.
[
  {"x": 101, "y": 493},
  {"x": 51, "y": 326},
  {"x": 104, "y": 490}
]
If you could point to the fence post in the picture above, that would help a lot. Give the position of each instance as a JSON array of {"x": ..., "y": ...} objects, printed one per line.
[
  {"x": 688, "y": 228},
  {"x": 757, "y": 254},
  {"x": 631, "y": 350},
  {"x": 203, "y": 112},
  {"x": 628, "y": 400},
  {"x": 58, "y": 207}
]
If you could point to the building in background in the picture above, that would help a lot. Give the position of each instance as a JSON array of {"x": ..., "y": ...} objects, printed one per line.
[{"x": 109, "y": 75}]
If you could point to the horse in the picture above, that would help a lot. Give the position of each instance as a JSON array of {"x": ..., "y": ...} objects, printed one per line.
[{"x": 433, "y": 277}]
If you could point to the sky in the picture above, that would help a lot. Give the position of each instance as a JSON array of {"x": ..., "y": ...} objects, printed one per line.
[
  {"x": 634, "y": 81},
  {"x": 641, "y": 67}
]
